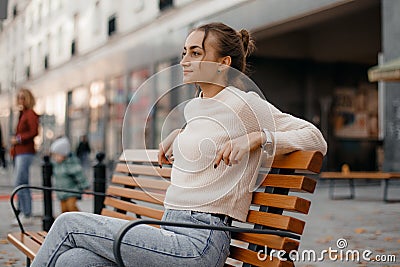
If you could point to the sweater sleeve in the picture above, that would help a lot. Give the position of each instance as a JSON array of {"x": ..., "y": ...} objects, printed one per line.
[
  {"x": 33, "y": 125},
  {"x": 289, "y": 133},
  {"x": 76, "y": 171}
]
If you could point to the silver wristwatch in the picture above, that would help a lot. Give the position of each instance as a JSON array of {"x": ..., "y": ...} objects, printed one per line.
[{"x": 267, "y": 146}]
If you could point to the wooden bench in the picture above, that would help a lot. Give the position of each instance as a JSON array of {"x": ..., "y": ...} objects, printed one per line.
[
  {"x": 137, "y": 191},
  {"x": 385, "y": 177}
]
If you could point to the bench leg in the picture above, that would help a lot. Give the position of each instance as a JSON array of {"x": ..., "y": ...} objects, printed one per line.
[
  {"x": 28, "y": 262},
  {"x": 352, "y": 190},
  {"x": 385, "y": 190},
  {"x": 332, "y": 188}
]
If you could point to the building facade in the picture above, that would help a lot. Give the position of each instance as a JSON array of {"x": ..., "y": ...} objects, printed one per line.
[{"x": 85, "y": 60}]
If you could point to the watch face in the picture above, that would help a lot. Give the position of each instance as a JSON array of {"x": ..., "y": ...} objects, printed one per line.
[{"x": 268, "y": 149}]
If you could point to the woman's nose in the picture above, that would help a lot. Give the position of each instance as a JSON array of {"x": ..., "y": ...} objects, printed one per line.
[{"x": 184, "y": 62}]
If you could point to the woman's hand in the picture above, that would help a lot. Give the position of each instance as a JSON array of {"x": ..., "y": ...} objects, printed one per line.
[
  {"x": 165, "y": 155},
  {"x": 14, "y": 140},
  {"x": 233, "y": 151}
]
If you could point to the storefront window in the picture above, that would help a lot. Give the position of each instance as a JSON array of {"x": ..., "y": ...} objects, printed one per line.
[
  {"x": 97, "y": 116},
  {"x": 172, "y": 97},
  {"x": 78, "y": 114},
  {"x": 355, "y": 128},
  {"x": 117, "y": 105},
  {"x": 140, "y": 96},
  {"x": 356, "y": 112},
  {"x": 52, "y": 119}
]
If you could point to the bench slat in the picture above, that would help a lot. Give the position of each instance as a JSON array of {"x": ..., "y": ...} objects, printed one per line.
[
  {"x": 299, "y": 160},
  {"x": 36, "y": 237},
  {"x": 249, "y": 256},
  {"x": 134, "y": 208},
  {"x": 304, "y": 160},
  {"x": 135, "y": 169},
  {"x": 294, "y": 182},
  {"x": 290, "y": 203},
  {"x": 139, "y": 155},
  {"x": 114, "y": 214},
  {"x": 141, "y": 182},
  {"x": 271, "y": 241},
  {"x": 359, "y": 175},
  {"x": 24, "y": 243},
  {"x": 277, "y": 221},
  {"x": 147, "y": 196}
]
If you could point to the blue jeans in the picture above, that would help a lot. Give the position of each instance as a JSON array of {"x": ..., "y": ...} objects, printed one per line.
[
  {"x": 21, "y": 171},
  {"x": 84, "y": 239}
]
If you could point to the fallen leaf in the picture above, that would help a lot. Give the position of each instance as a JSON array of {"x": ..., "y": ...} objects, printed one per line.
[
  {"x": 388, "y": 239},
  {"x": 378, "y": 232},
  {"x": 324, "y": 240},
  {"x": 360, "y": 230}
]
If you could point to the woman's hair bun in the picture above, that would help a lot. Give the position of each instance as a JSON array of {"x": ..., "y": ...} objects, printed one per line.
[{"x": 248, "y": 43}]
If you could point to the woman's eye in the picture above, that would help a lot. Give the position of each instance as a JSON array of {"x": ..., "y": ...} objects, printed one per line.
[
  {"x": 183, "y": 54},
  {"x": 195, "y": 54}
]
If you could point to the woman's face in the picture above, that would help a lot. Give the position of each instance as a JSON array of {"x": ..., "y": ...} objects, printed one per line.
[
  {"x": 21, "y": 101},
  {"x": 200, "y": 64}
]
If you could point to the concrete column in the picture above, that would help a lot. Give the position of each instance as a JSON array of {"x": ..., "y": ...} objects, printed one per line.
[{"x": 391, "y": 50}]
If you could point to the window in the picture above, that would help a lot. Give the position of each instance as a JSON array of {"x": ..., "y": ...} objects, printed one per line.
[
  {"x": 46, "y": 62},
  {"x": 3, "y": 10},
  {"x": 39, "y": 14},
  {"x": 76, "y": 24},
  {"x": 15, "y": 11},
  {"x": 112, "y": 25},
  {"x": 73, "y": 48},
  {"x": 165, "y": 4},
  {"x": 97, "y": 18},
  {"x": 60, "y": 41},
  {"x": 28, "y": 72}
]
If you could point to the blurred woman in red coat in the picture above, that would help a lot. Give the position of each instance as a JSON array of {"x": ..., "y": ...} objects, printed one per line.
[{"x": 24, "y": 149}]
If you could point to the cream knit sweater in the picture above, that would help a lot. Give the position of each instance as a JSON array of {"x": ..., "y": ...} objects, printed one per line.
[{"x": 195, "y": 183}]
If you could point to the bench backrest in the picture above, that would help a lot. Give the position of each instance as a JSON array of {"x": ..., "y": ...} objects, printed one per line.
[{"x": 140, "y": 184}]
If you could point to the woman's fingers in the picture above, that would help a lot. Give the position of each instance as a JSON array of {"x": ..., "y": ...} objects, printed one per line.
[
  {"x": 168, "y": 155},
  {"x": 232, "y": 152},
  {"x": 234, "y": 156},
  {"x": 220, "y": 155},
  {"x": 223, "y": 154},
  {"x": 162, "y": 156},
  {"x": 226, "y": 155}
]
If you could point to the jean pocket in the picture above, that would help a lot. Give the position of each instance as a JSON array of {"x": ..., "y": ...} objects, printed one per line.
[{"x": 200, "y": 217}]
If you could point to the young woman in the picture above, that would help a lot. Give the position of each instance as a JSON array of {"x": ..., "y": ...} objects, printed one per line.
[
  {"x": 24, "y": 150},
  {"x": 215, "y": 158}
]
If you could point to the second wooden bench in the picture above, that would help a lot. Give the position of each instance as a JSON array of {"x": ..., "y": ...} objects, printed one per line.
[{"x": 385, "y": 177}]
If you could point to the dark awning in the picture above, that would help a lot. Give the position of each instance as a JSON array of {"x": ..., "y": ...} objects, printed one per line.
[{"x": 390, "y": 71}]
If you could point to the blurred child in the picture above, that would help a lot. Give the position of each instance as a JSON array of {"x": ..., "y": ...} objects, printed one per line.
[{"x": 68, "y": 174}]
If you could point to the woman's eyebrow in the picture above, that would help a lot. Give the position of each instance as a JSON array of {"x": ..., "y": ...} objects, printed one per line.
[{"x": 193, "y": 47}]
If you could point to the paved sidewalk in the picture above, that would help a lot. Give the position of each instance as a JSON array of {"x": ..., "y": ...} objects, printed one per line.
[{"x": 365, "y": 223}]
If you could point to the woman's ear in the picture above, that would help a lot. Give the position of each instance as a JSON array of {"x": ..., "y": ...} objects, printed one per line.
[
  {"x": 224, "y": 63},
  {"x": 226, "y": 60}
]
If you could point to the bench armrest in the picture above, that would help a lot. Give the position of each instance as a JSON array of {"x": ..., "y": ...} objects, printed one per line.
[
  {"x": 121, "y": 233},
  {"x": 45, "y": 188}
]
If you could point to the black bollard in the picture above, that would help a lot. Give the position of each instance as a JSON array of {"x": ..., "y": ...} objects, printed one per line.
[
  {"x": 47, "y": 172},
  {"x": 99, "y": 184}
]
